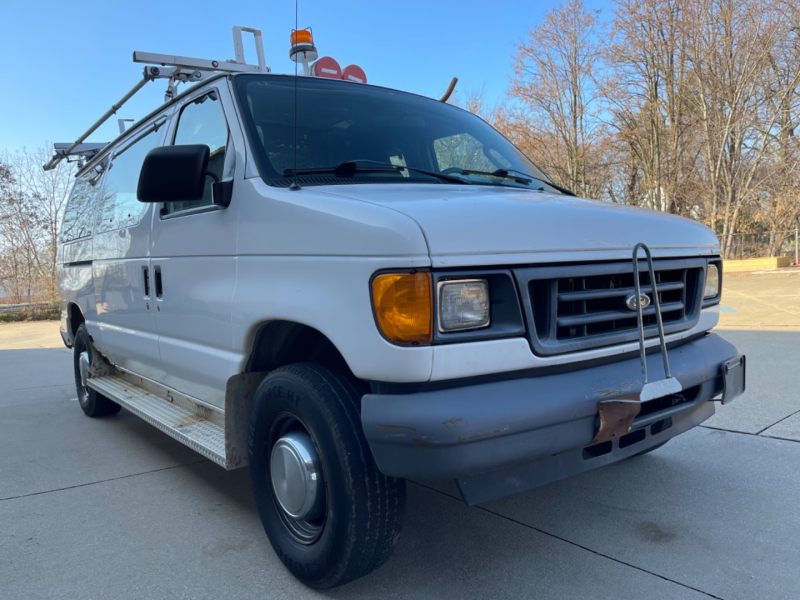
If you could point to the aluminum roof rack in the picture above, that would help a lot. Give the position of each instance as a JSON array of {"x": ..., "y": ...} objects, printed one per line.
[
  {"x": 176, "y": 69},
  {"x": 80, "y": 153}
]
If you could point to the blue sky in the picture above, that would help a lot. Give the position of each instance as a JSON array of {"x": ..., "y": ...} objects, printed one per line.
[{"x": 63, "y": 64}]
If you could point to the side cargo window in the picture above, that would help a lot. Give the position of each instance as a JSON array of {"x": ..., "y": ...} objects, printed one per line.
[
  {"x": 202, "y": 122},
  {"x": 120, "y": 208},
  {"x": 79, "y": 215}
]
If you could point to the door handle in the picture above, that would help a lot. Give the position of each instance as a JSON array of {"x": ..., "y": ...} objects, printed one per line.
[
  {"x": 146, "y": 277},
  {"x": 157, "y": 280}
]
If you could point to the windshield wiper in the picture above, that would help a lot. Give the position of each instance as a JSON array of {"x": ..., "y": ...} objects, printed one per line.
[
  {"x": 349, "y": 168},
  {"x": 527, "y": 179}
]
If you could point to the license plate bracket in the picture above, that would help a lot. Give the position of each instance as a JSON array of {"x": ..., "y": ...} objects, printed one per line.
[{"x": 733, "y": 379}]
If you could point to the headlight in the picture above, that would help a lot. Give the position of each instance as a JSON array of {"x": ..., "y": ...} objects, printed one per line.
[
  {"x": 463, "y": 305},
  {"x": 712, "y": 282},
  {"x": 403, "y": 305}
]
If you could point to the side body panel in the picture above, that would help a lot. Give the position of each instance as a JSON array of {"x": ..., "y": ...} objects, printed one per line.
[
  {"x": 125, "y": 312},
  {"x": 125, "y": 318},
  {"x": 75, "y": 253},
  {"x": 76, "y": 284},
  {"x": 308, "y": 257}
]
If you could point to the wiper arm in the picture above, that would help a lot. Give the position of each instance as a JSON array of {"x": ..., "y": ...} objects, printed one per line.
[
  {"x": 563, "y": 190},
  {"x": 349, "y": 168},
  {"x": 500, "y": 173},
  {"x": 345, "y": 169},
  {"x": 528, "y": 178},
  {"x": 441, "y": 176}
]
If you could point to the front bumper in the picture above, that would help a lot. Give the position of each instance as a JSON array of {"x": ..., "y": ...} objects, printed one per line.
[{"x": 507, "y": 436}]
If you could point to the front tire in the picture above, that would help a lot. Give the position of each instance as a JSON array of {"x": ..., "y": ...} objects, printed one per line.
[
  {"x": 330, "y": 515},
  {"x": 92, "y": 403}
]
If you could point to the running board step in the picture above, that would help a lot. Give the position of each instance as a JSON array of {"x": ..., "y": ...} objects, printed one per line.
[{"x": 192, "y": 424}]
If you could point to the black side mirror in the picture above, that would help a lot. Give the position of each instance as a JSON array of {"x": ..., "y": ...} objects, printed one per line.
[{"x": 173, "y": 174}]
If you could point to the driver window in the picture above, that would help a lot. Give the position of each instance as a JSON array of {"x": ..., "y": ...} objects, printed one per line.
[{"x": 202, "y": 122}]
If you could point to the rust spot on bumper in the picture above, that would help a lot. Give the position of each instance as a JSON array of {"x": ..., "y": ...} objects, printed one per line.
[
  {"x": 453, "y": 421},
  {"x": 465, "y": 439},
  {"x": 617, "y": 391}
]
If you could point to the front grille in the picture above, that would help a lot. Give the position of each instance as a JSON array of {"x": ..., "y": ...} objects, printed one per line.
[{"x": 578, "y": 307}]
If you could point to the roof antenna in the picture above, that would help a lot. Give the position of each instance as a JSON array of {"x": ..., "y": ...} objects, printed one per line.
[
  {"x": 450, "y": 89},
  {"x": 294, "y": 187}
]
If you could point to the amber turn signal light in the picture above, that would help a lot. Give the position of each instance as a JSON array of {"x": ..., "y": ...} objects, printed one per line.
[{"x": 403, "y": 305}]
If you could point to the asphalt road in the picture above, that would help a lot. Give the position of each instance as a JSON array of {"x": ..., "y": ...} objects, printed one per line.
[{"x": 112, "y": 508}]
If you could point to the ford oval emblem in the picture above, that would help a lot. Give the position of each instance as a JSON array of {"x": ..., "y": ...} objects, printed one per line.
[{"x": 630, "y": 301}]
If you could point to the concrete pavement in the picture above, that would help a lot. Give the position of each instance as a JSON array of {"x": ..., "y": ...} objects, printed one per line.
[
  {"x": 112, "y": 508},
  {"x": 761, "y": 302},
  {"x": 762, "y": 317}
]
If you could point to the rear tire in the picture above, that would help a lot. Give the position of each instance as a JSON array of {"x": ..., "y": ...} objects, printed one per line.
[
  {"x": 92, "y": 403},
  {"x": 338, "y": 520}
]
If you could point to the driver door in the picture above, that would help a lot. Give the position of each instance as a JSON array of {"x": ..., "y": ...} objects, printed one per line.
[{"x": 194, "y": 260}]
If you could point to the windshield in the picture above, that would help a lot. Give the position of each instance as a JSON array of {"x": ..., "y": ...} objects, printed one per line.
[{"x": 339, "y": 121}]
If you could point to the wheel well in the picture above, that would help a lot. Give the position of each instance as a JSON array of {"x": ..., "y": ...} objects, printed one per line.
[
  {"x": 75, "y": 318},
  {"x": 276, "y": 344},
  {"x": 280, "y": 343}
]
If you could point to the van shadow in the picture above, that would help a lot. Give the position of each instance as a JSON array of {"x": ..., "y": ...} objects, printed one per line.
[
  {"x": 232, "y": 485},
  {"x": 446, "y": 549}
]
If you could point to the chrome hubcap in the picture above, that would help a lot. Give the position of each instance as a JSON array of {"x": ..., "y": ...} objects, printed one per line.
[
  {"x": 296, "y": 479},
  {"x": 83, "y": 369}
]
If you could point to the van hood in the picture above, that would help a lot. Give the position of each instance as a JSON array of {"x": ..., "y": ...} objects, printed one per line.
[{"x": 481, "y": 225}]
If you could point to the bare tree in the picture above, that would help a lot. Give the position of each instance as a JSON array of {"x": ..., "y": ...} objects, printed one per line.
[
  {"x": 18, "y": 257},
  {"x": 779, "y": 197},
  {"x": 32, "y": 202},
  {"x": 649, "y": 90},
  {"x": 557, "y": 82},
  {"x": 732, "y": 49}
]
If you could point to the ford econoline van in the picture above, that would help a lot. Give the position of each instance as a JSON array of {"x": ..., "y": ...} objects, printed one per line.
[{"x": 346, "y": 286}]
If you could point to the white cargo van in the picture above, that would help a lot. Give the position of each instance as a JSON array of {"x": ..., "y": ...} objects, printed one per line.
[{"x": 347, "y": 286}]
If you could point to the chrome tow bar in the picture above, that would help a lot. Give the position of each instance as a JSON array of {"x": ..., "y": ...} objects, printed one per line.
[{"x": 617, "y": 416}]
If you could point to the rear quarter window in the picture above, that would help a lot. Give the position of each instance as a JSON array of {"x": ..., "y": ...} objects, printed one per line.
[{"x": 80, "y": 213}]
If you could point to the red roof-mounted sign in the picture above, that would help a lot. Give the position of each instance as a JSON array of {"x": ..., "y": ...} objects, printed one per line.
[
  {"x": 327, "y": 67},
  {"x": 354, "y": 73}
]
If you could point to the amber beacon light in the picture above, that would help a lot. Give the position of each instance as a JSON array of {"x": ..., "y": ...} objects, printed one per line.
[
  {"x": 403, "y": 305},
  {"x": 302, "y": 48},
  {"x": 301, "y": 36}
]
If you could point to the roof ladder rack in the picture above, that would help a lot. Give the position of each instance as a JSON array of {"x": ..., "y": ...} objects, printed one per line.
[
  {"x": 80, "y": 152},
  {"x": 176, "y": 69}
]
